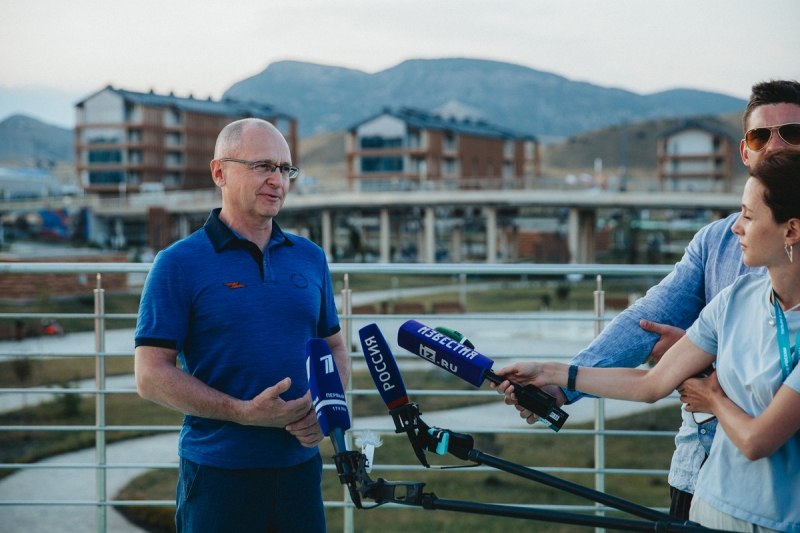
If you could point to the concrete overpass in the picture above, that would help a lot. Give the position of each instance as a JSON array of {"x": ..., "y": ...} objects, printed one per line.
[{"x": 189, "y": 207}]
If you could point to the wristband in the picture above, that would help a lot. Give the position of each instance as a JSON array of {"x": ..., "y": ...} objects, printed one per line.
[{"x": 573, "y": 373}]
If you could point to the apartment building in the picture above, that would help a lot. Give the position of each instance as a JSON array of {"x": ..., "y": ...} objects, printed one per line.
[
  {"x": 695, "y": 156},
  {"x": 410, "y": 149},
  {"x": 129, "y": 142}
]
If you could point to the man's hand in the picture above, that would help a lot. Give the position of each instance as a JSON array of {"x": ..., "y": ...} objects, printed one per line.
[
  {"x": 307, "y": 430},
  {"x": 269, "y": 410},
  {"x": 669, "y": 336}
]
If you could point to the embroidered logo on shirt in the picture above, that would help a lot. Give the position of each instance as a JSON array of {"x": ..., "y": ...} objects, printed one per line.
[
  {"x": 235, "y": 285},
  {"x": 299, "y": 281}
]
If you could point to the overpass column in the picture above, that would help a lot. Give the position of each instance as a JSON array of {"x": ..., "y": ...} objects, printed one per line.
[
  {"x": 119, "y": 234},
  {"x": 514, "y": 243},
  {"x": 491, "y": 235},
  {"x": 430, "y": 236},
  {"x": 183, "y": 226},
  {"x": 457, "y": 237},
  {"x": 326, "y": 234},
  {"x": 580, "y": 237},
  {"x": 385, "y": 234}
]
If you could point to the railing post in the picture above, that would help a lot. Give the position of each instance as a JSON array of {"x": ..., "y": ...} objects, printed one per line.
[
  {"x": 599, "y": 405},
  {"x": 100, "y": 402},
  {"x": 347, "y": 331}
]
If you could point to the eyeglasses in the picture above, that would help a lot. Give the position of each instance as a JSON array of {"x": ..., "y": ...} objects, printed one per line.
[
  {"x": 757, "y": 138},
  {"x": 267, "y": 167}
]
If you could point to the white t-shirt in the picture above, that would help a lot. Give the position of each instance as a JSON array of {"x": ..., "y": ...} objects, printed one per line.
[{"x": 735, "y": 326}]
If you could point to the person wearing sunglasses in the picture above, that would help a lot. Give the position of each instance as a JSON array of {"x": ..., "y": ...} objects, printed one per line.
[
  {"x": 235, "y": 303},
  {"x": 713, "y": 261},
  {"x": 751, "y": 480}
]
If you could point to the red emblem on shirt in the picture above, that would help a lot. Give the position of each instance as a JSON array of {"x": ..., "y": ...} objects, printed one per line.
[{"x": 235, "y": 285}]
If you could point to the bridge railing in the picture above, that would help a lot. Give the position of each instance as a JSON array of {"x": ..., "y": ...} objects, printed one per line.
[{"x": 350, "y": 323}]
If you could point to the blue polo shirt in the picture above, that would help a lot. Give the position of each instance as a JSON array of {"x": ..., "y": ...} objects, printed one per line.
[{"x": 240, "y": 321}]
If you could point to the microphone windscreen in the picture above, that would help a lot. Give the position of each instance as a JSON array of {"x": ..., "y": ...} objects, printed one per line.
[
  {"x": 441, "y": 350},
  {"x": 383, "y": 367},
  {"x": 325, "y": 384}
]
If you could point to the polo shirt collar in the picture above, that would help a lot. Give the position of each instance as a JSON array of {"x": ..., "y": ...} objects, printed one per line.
[{"x": 221, "y": 236}]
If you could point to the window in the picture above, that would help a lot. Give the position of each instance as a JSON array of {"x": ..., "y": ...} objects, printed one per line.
[
  {"x": 414, "y": 140},
  {"x": 381, "y": 142},
  {"x": 134, "y": 136},
  {"x": 381, "y": 164},
  {"x": 134, "y": 178},
  {"x": 449, "y": 166},
  {"x": 450, "y": 142},
  {"x": 102, "y": 135},
  {"x": 133, "y": 112},
  {"x": 174, "y": 159},
  {"x": 171, "y": 179},
  {"x": 173, "y": 138},
  {"x": 173, "y": 117},
  {"x": 105, "y": 156},
  {"x": 106, "y": 177},
  {"x": 135, "y": 156},
  {"x": 508, "y": 149}
]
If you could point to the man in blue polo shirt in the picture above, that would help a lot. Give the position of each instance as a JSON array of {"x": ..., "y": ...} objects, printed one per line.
[{"x": 234, "y": 303}]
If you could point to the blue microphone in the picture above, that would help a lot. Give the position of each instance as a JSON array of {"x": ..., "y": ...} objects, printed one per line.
[
  {"x": 327, "y": 393},
  {"x": 465, "y": 362},
  {"x": 383, "y": 367},
  {"x": 444, "y": 351}
]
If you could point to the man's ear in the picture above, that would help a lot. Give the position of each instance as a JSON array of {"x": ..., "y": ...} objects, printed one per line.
[
  {"x": 743, "y": 152},
  {"x": 216, "y": 173}
]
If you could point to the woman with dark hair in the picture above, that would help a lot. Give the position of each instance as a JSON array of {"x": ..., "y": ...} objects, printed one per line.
[{"x": 751, "y": 479}]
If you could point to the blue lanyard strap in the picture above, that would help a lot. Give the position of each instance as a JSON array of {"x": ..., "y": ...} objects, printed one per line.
[{"x": 788, "y": 359}]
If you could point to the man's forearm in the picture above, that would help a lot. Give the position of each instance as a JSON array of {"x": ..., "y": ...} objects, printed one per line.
[{"x": 165, "y": 384}]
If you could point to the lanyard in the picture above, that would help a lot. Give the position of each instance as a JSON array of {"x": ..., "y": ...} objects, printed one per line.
[{"x": 784, "y": 349}]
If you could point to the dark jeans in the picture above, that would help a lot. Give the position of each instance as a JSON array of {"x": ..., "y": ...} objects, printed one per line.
[
  {"x": 680, "y": 503},
  {"x": 257, "y": 500}
]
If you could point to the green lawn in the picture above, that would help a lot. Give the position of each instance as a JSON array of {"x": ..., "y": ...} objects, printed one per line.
[{"x": 549, "y": 450}]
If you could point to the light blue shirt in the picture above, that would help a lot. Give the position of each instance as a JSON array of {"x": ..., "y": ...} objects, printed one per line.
[
  {"x": 713, "y": 261},
  {"x": 736, "y": 328}
]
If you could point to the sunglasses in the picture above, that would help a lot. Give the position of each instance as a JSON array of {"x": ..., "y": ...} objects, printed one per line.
[{"x": 757, "y": 138}]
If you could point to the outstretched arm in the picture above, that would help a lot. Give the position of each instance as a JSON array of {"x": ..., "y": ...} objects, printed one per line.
[
  {"x": 684, "y": 359},
  {"x": 756, "y": 437},
  {"x": 653, "y": 323}
]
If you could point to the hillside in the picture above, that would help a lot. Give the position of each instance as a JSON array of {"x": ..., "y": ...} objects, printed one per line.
[
  {"x": 326, "y": 98},
  {"x": 322, "y": 157},
  {"x": 577, "y": 154},
  {"x": 25, "y": 138}
]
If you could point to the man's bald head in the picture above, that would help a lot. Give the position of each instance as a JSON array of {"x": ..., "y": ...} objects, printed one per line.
[{"x": 230, "y": 137}]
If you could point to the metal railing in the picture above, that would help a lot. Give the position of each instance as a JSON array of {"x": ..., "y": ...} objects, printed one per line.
[{"x": 347, "y": 318}]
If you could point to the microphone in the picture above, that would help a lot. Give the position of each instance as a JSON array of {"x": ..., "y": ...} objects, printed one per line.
[
  {"x": 473, "y": 367},
  {"x": 327, "y": 393},
  {"x": 406, "y": 415},
  {"x": 383, "y": 367}
]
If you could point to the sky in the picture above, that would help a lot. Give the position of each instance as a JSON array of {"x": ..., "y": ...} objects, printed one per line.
[{"x": 53, "y": 53}]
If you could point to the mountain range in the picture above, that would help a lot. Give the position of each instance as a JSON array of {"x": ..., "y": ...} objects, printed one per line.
[
  {"x": 326, "y": 98},
  {"x": 25, "y": 138}
]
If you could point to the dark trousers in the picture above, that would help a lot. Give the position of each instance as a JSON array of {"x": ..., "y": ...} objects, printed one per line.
[
  {"x": 680, "y": 503},
  {"x": 258, "y": 500}
]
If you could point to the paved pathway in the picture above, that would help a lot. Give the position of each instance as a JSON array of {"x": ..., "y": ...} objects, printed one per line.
[{"x": 78, "y": 484}]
